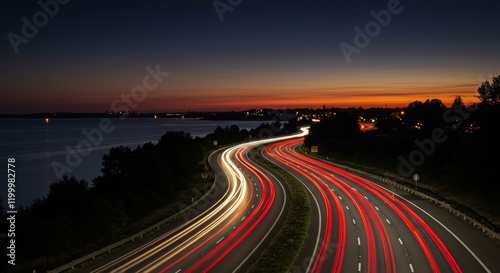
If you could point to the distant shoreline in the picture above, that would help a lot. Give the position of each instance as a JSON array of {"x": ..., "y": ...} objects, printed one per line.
[
  {"x": 265, "y": 114},
  {"x": 200, "y": 116},
  {"x": 247, "y": 115},
  {"x": 143, "y": 116}
]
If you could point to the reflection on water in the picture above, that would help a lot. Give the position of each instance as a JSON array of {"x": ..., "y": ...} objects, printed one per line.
[{"x": 36, "y": 143}]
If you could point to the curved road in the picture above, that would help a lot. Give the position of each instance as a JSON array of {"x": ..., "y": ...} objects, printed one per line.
[
  {"x": 361, "y": 226},
  {"x": 357, "y": 225},
  {"x": 243, "y": 213}
]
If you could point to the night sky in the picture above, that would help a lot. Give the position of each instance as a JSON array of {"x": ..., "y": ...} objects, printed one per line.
[{"x": 272, "y": 54}]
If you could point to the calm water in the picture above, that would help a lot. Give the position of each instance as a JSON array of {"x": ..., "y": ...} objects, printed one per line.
[{"x": 36, "y": 144}]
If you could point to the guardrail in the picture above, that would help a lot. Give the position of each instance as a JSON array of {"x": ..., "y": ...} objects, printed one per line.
[
  {"x": 141, "y": 233},
  {"x": 491, "y": 233}
]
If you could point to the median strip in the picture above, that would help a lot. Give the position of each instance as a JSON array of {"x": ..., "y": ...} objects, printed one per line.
[{"x": 281, "y": 253}]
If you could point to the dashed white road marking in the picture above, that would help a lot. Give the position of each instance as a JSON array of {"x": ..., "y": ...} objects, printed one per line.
[{"x": 218, "y": 241}]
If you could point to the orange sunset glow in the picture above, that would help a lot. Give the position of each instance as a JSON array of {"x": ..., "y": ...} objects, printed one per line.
[{"x": 237, "y": 65}]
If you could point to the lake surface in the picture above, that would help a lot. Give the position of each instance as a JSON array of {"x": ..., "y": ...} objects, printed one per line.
[{"x": 36, "y": 145}]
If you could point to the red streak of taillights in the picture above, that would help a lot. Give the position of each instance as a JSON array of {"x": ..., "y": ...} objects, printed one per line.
[
  {"x": 370, "y": 237},
  {"x": 274, "y": 151},
  {"x": 386, "y": 196}
]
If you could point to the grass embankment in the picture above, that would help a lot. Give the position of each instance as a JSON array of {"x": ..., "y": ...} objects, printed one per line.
[{"x": 285, "y": 247}]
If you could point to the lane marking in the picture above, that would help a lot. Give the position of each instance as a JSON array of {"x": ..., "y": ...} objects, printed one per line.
[
  {"x": 242, "y": 218},
  {"x": 220, "y": 240},
  {"x": 178, "y": 270},
  {"x": 388, "y": 221},
  {"x": 376, "y": 208},
  {"x": 354, "y": 221},
  {"x": 340, "y": 197},
  {"x": 347, "y": 207},
  {"x": 411, "y": 268},
  {"x": 359, "y": 267},
  {"x": 442, "y": 225},
  {"x": 359, "y": 241},
  {"x": 401, "y": 242}
]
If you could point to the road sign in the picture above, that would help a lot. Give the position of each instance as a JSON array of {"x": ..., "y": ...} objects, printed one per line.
[
  {"x": 204, "y": 175},
  {"x": 416, "y": 177},
  {"x": 314, "y": 149},
  {"x": 215, "y": 142}
]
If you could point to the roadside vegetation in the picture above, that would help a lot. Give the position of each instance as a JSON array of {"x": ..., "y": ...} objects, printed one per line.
[{"x": 285, "y": 247}]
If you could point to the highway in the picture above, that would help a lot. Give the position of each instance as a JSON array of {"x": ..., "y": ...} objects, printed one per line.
[
  {"x": 361, "y": 226},
  {"x": 228, "y": 231},
  {"x": 357, "y": 225}
]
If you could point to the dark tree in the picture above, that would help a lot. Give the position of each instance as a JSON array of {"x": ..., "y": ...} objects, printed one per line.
[
  {"x": 342, "y": 126},
  {"x": 118, "y": 162},
  {"x": 182, "y": 154},
  {"x": 426, "y": 116},
  {"x": 458, "y": 101},
  {"x": 153, "y": 173},
  {"x": 68, "y": 196},
  {"x": 490, "y": 92},
  {"x": 118, "y": 168}
]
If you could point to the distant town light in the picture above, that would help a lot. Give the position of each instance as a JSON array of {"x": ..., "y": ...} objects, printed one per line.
[{"x": 46, "y": 120}]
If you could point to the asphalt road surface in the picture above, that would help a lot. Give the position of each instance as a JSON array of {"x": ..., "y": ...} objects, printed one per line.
[{"x": 361, "y": 226}]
